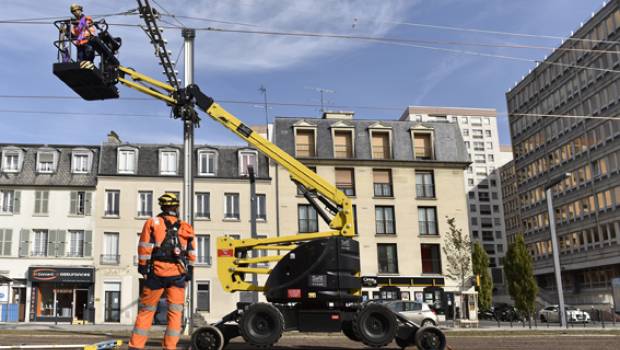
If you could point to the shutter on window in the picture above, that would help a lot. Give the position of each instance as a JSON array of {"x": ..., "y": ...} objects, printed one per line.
[
  {"x": 61, "y": 238},
  {"x": 88, "y": 243},
  {"x": 8, "y": 236},
  {"x": 381, "y": 176},
  {"x": 45, "y": 202},
  {"x": 51, "y": 243},
  {"x": 24, "y": 235},
  {"x": 17, "y": 202},
  {"x": 37, "y": 202},
  {"x": 73, "y": 205},
  {"x": 343, "y": 176},
  {"x": 88, "y": 196}
]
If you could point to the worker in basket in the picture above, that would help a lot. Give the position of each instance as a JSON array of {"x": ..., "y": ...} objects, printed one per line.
[
  {"x": 82, "y": 30},
  {"x": 166, "y": 254}
]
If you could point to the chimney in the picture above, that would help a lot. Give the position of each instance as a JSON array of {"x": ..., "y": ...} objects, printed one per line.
[
  {"x": 338, "y": 115},
  {"x": 113, "y": 138}
]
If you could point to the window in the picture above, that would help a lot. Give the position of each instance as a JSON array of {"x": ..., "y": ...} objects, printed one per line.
[
  {"x": 110, "y": 248},
  {"x": 423, "y": 147},
  {"x": 486, "y": 121},
  {"x": 8, "y": 201},
  {"x": 11, "y": 161},
  {"x": 384, "y": 220},
  {"x": 487, "y": 133},
  {"x": 41, "y": 202},
  {"x": 425, "y": 184},
  {"x": 475, "y": 120},
  {"x": 207, "y": 161},
  {"x": 145, "y": 203},
  {"x": 80, "y": 202},
  {"x": 478, "y": 146},
  {"x": 304, "y": 143},
  {"x": 381, "y": 145},
  {"x": 489, "y": 145},
  {"x": 203, "y": 208},
  {"x": 345, "y": 181},
  {"x": 126, "y": 161},
  {"x": 231, "y": 210},
  {"x": 431, "y": 258},
  {"x": 6, "y": 236},
  {"x": 261, "y": 207},
  {"x": 476, "y": 133},
  {"x": 382, "y": 181},
  {"x": 466, "y": 132},
  {"x": 388, "y": 258},
  {"x": 490, "y": 158},
  {"x": 247, "y": 158},
  {"x": 427, "y": 220},
  {"x": 80, "y": 163},
  {"x": 168, "y": 162},
  {"x": 45, "y": 162},
  {"x": 479, "y": 158},
  {"x": 39, "y": 248},
  {"x": 307, "y": 218},
  {"x": 463, "y": 120},
  {"x": 76, "y": 243},
  {"x": 203, "y": 296},
  {"x": 343, "y": 144},
  {"x": 112, "y": 198},
  {"x": 203, "y": 249}
]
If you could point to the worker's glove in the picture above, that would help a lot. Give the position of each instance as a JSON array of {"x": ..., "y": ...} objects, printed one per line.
[
  {"x": 189, "y": 273},
  {"x": 143, "y": 269}
]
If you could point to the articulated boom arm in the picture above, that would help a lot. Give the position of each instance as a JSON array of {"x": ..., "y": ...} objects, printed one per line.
[{"x": 233, "y": 260}]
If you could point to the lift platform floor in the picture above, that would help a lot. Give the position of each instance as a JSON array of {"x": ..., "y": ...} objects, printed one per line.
[{"x": 86, "y": 82}]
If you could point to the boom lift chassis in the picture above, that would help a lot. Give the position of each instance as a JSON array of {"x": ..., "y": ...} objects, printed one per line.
[{"x": 314, "y": 283}]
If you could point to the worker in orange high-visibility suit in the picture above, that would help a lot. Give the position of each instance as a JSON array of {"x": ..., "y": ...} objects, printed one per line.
[
  {"x": 166, "y": 254},
  {"x": 82, "y": 29}
]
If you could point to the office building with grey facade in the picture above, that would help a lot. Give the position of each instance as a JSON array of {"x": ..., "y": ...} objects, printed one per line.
[{"x": 579, "y": 78}]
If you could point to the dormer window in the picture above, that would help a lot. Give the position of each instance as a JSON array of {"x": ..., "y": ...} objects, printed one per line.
[
  {"x": 305, "y": 145},
  {"x": 127, "y": 160},
  {"x": 380, "y": 142},
  {"x": 81, "y": 162},
  {"x": 46, "y": 162},
  {"x": 423, "y": 143},
  {"x": 207, "y": 162},
  {"x": 343, "y": 144},
  {"x": 11, "y": 160},
  {"x": 168, "y": 161},
  {"x": 247, "y": 158}
]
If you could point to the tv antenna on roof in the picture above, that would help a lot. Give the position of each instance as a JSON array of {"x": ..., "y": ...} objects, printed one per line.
[{"x": 322, "y": 91}]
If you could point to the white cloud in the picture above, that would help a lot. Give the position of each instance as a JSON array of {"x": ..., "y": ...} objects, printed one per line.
[{"x": 221, "y": 51}]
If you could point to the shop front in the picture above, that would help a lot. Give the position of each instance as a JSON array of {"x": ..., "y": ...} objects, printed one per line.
[
  {"x": 424, "y": 289},
  {"x": 61, "y": 294}
]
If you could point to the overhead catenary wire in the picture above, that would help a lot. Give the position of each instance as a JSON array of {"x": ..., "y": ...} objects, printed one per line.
[{"x": 168, "y": 14}]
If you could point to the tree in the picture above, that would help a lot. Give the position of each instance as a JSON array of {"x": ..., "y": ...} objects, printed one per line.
[
  {"x": 480, "y": 267},
  {"x": 457, "y": 249},
  {"x": 519, "y": 271}
]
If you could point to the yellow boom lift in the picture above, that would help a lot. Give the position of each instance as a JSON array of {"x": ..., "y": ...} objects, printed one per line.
[{"x": 313, "y": 282}]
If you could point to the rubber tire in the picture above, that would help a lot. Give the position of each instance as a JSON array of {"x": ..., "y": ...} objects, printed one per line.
[
  {"x": 207, "y": 338},
  {"x": 421, "y": 340},
  {"x": 427, "y": 322},
  {"x": 347, "y": 330},
  {"x": 374, "y": 316},
  {"x": 543, "y": 318},
  {"x": 254, "y": 320}
]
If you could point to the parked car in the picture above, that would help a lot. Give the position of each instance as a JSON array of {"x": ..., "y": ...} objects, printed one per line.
[
  {"x": 418, "y": 312},
  {"x": 573, "y": 314}
]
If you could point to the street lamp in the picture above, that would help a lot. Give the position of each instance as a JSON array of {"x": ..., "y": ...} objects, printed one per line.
[{"x": 554, "y": 243}]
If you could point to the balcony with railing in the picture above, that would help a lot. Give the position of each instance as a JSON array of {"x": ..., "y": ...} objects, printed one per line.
[
  {"x": 109, "y": 259},
  {"x": 425, "y": 191},
  {"x": 424, "y": 153}
]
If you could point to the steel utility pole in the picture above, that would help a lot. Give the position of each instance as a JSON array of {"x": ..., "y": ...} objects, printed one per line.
[
  {"x": 556, "y": 248},
  {"x": 189, "y": 35},
  {"x": 263, "y": 89}
]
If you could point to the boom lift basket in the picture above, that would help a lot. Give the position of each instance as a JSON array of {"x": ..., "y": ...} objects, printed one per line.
[{"x": 87, "y": 80}]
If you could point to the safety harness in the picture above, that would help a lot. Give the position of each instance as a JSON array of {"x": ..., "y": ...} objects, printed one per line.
[{"x": 170, "y": 249}]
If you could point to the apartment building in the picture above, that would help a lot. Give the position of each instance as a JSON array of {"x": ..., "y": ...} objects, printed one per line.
[
  {"x": 510, "y": 194},
  {"x": 132, "y": 177},
  {"x": 478, "y": 127},
  {"x": 401, "y": 176},
  {"x": 46, "y": 231},
  {"x": 579, "y": 79}
]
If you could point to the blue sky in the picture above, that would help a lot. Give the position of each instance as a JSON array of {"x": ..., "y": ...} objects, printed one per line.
[{"x": 231, "y": 67}]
